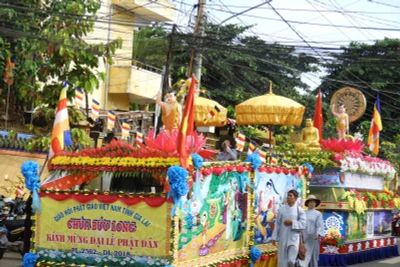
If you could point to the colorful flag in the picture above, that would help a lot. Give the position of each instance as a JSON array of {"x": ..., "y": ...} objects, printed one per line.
[
  {"x": 61, "y": 135},
  {"x": 285, "y": 163},
  {"x": 79, "y": 98},
  {"x": 318, "y": 118},
  {"x": 240, "y": 141},
  {"x": 231, "y": 122},
  {"x": 110, "y": 120},
  {"x": 8, "y": 72},
  {"x": 252, "y": 147},
  {"x": 263, "y": 155},
  {"x": 214, "y": 111},
  {"x": 273, "y": 159},
  {"x": 139, "y": 136},
  {"x": 376, "y": 127},
  {"x": 95, "y": 110},
  {"x": 187, "y": 125},
  {"x": 125, "y": 130}
]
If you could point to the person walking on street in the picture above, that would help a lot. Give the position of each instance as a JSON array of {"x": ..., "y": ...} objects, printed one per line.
[
  {"x": 291, "y": 220},
  {"x": 313, "y": 232}
]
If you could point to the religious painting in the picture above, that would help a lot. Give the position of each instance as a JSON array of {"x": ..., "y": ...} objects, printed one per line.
[
  {"x": 213, "y": 218},
  {"x": 269, "y": 197},
  {"x": 382, "y": 223},
  {"x": 356, "y": 226}
]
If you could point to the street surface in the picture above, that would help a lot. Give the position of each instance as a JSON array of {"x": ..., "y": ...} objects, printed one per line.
[{"x": 13, "y": 259}]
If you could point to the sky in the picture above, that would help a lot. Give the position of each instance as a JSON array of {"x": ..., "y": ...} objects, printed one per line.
[{"x": 344, "y": 21}]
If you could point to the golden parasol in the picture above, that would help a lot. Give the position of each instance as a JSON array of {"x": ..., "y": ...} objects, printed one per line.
[
  {"x": 270, "y": 109},
  {"x": 203, "y": 110}
]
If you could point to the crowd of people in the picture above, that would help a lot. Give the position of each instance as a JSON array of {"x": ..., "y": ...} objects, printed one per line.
[{"x": 294, "y": 225}]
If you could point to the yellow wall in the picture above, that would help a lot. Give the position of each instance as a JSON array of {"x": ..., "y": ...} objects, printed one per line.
[{"x": 118, "y": 101}]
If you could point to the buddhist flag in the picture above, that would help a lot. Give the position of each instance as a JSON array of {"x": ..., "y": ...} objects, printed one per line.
[
  {"x": 318, "y": 119},
  {"x": 110, "y": 120},
  {"x": 252, "y": 147},
  {"x": 376, "y": 127},
  {"x": 240, "y": 141},
  {"x": 139, "y": 136},
  {"x": 78, "y": 98},
  {"x": 95, "y": 110},
  {"x": 187, "y": 125},
  {"x": 125, "y": 130},
  {"x": 263, "y": 155},
  {"x": 61, "y": 135},
  {"x": 8, "y": 72},
  {"x": 214, "y": 111},
  {"x": 273, "y": 159}
]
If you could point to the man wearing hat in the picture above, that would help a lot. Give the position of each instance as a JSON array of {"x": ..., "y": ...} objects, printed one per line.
[{"x": 313, "y": 232}]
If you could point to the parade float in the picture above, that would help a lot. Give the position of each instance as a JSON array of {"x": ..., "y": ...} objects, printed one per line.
[{"x": 164, "y": 204}]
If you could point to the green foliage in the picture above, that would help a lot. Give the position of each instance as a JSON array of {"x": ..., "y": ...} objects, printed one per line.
[
  {"x": 79, "y": 136},
  {"x": 371, "y": 68},
  {"x": 49, "y": 47}
]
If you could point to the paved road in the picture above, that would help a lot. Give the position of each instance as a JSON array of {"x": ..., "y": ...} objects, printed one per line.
[{"x": 12, "y": 259}]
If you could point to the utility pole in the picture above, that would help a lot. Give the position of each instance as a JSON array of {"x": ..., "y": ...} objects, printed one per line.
[
  {"x": 168, "y": 64},
  {"x": 196, "y": 59}
]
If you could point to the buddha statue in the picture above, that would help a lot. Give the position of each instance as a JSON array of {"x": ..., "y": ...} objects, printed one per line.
[
  {"x": 171, "y": 112},
  {"x": 342, "y": 125},
  {"x": 309, "y": 137}
]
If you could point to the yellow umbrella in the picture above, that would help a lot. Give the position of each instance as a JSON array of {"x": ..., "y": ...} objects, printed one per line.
[
  {"x": 270, "y": 109},
  {"x": 203, "y": 107}
]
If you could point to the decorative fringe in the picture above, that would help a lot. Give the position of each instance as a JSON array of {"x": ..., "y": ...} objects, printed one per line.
[
  {"x": 198, "y": 163},
  {"x": 177, "y": 177},
  {"x": 29, "y": 260},
  {"x": 30, "y": 171}
]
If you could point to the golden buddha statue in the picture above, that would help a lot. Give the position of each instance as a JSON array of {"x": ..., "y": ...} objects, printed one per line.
[
  {"x": 309, "y": 137},
  {"x": 171, "y": 112}
]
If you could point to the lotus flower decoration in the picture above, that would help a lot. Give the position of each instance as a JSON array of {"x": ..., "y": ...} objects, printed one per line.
[
  {"x": 343, "y": 145},
  {"x": 168, "y": 144}
]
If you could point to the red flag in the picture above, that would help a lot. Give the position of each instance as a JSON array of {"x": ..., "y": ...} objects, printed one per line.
[
  {"x": 8, "y": 79},
  {"x": 187, "y": 124},
  {"x": 318, "y": 119}
]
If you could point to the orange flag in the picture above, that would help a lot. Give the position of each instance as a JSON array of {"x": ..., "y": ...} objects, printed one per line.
[
  {"x": 318, "y": 119},
  {"x": 8, "y": 79},
  {"x": 187, "y": 124}
]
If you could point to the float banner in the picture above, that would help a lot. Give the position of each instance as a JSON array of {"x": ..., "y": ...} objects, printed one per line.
[
  {"x": 333, "y": 177},
  {"x": 104, "y": 227}
]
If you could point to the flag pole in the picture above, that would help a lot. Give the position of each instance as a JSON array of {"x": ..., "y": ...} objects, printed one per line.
[{"x": 8, "y": 105}]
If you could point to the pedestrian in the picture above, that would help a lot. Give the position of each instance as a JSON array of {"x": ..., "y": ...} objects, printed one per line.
[
  {"x": 313, "y": 232},
  {"x": 291, "y": 220},
  {"x": 227, "y": 152}
]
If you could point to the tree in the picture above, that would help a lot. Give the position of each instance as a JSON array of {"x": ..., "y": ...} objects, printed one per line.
[
  {"x": 47, "y": 40},
  {"x": 371, "y": 68}
]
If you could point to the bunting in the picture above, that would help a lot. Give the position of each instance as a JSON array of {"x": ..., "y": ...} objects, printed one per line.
[
  {"x": 61, "y": 134},
  {"x": 214, "y": 111},
  {"x": 125, "y": 130},
  {"x": 252, "y": 147},
  {"x": 79, "y": 98},
  {"x": 95, "y": 110},
  {"x": 263, "y": 155},
  {"x": 139, "y": 136},
  {"x": 376, "y": 127},
  {"x": 240, "y": 141},
  {"x": 273, "y": 159},
  {"x": 110, "y": 120}
]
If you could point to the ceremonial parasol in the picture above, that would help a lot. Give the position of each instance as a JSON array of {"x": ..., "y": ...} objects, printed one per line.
[
  {"x": 207, "y": 112},
  {"x": 270, "y": 109}
]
